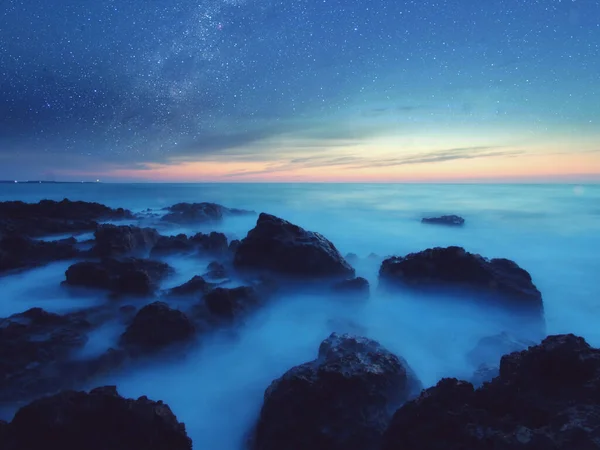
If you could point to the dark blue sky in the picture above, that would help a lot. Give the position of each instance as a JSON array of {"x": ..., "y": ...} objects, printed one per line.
[{"x": 110, "y": 87}]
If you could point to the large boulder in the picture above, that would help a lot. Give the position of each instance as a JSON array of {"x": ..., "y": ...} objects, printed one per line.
[
  {"x": 128, "y": 276},
  {"x": 19, "y": 251},
  {"x": 451, "y": 220},
  {"x": 112, "y": 240},
  {"x": 195, "y": 213},
  {"x": 278, "y": 246},
  {"x": 230, "y": 304},
  {"x": 32, "y": 345},
  {"x": 155, "y": 327},
  {"x": 343, "y": 400},
  {"x": 51, "y": 217},
  {"x": 498, "y": 281},
  {"x": 546, "y": 397},
  {"x": 98, "y": 420}
]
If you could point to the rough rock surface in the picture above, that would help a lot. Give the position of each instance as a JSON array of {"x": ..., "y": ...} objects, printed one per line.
[
  {"x": 451, "y": 220},
  {"x": 98, "y": 420},
  {"x": 200, "y": 213},
  {"x": 51, "y": 217},
  {"x": 112, "y": 240},
  {"x": 213, "y": 243},
  {"x": 128, "y": 276},
  {"x": 155, "y": 327},
  {"x": 546, "y": 397},
  {"x": 353, "y": 287},
  {"x": 197, "y": 285},
  {"x": 281, "y": 247},
  {"x": 168, "y": 245},
  {"x": 499, "y": 280},
  {"x": 18, "y": 251},
  {"x": 342, "y": 400},
  {"x": 230, "y": 304}
]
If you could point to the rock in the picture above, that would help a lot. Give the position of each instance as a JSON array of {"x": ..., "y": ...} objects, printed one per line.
[
  {"x": 168, "y": 245},
  {"x": 50, "y": 217},
  {"x": 352, "y": 258},
  {"x": 353, "y": 287},
  {"x": 342, "y": 400},
  {"x": 484, "y": 374},
  {"x": 216, "y": 271},
  {"x": 155, "y": 327},
  {"x": 200, "y": 213},
  {"x": 230, "y": 304},
  {"x": 18, "y": 251},
  {"x": 213, "y": 243},
  {"x": 98, "y": 420},
  {"x": 112, "y": 240},
  {"x": 451, "y": 220},
  {"x": 197, "y": 285},
  {"x": 128, "y": 276},
  {"x": 490, "y": 349},
  {"x": 233, "y": 245},
  {"x": 280, "y": 247},
  {"x": 497, "y": 281},
  {"x": 546, "y": 397},
  {"x": 32, "y": 346}
]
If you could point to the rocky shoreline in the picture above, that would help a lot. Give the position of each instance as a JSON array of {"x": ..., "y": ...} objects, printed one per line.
[{"x": 356, "y": 394}]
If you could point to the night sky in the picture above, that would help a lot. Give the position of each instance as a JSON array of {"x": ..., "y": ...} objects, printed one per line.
[{"x": 299, "y": 89}]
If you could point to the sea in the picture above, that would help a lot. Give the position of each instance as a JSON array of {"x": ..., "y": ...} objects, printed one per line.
[{"x": 550, "y": 230}]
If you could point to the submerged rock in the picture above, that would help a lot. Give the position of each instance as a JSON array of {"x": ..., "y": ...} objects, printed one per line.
[
  {"x": 17, "y": 251},
  {"x": 353, "y": 287},
  {"x": 281, "y": 247},
  {"x": 112, "y": 240},
  {"x": 230, "y": 304},
  {"x": 498, "y": 281},
  {"x": 155, "y": 327},
  {"x": 51, "y": 217},
  {"x": 194, "y": 213},
  {"x": 342, "y": 400},
  {"x": 546, "y": 397},
  {"x": 98, "y": 420},
  {"x": 128, "y": 276},
  {"x": 451, "y": 220}
]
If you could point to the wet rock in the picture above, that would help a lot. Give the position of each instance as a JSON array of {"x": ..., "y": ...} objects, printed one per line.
[
  {"x": 155, "y": 327},
  {"x": 281, "y": 247},
  {"x": 128, "y": 276},
  {"x": 194, "y": 213},
  {"x": 342, "y": 400},
  {"x": 213, "y": 243},
  {"x": 32, "y": 346},
  {"x": 112, "y": 240},
  {"x": 545, "y": 397},
  {"x": 495, "y": 281},
  {"x": 451, "y": 220},
  {"x": 197, "y": 285},
  {"x": 51, "y": 217},
  {"x": 18, "y": 251},
  {"x": 230, "y": 304},
  {"x": 353, "y": 287},
  {"x": 216, "y": 271},
  {"x": 98, "y": 420},
  {"x": 169, "y": 245}
]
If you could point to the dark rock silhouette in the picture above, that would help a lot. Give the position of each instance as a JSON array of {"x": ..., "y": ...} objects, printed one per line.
[
  {"x": 112, "y": 240},
  {"x": 155, "y": 327},
  {"x": 98, "y": 420},
  {"x": 545, "y": 397},
  {"x": 168, "y": 245},
  {"x": 194, "y": 213},
  {"x": 281, "y": 247},
  {"x": 128, "y": 276},
  {"x": 213, "y": 243},
  {"x": 234, "y": 303},
  {"x": 216, "y": 271},
  {"x": 342, "y": 400},
  {"x": 51, "y": 217},
  {"x": 197, "y": 285},
  {"x": 19, "y": 251},
  {"x": 451, "y": 220},
  {"x": 353, "y": 287}
]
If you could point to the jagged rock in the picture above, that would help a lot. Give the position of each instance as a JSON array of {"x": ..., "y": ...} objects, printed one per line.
[
  {"x": 50, "y": 217},
  {"x": 216, "y": 271},
  {"x": 495, "y": 281},
  {"x": 230, "y": 304},
  {"x": 451, "y": 220},
  {"x": 18, "y": 251},
  {"x": 168, "y": 245},
  {"x": 98, "y": 420},
  {"x": 213, "y": 243},
  {"x": 353, "y": 287},
  {"x": 112, "y": 240},
  {"x": 233, "y": 245},
  {"x": 200, "y": 213},
  {"x": 128, "y": 276},
  {"x": 342, "y": 400},
  {"x": 546, "y": 397},
  {"x": 32, "y": 345},
  {"x": 155, "y": 327},
  {"x": 280, "y": 247},
  {"x": 197, "y": 285}
]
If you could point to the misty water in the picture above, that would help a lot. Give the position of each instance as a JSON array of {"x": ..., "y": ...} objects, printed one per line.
[{"x": 552, "y": 231}]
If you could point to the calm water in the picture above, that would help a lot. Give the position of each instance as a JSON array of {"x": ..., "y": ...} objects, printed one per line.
[{"x": 553, "y": 231}]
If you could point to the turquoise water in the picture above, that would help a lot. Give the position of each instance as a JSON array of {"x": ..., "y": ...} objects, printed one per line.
[{"x": 553, "y": 231}]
